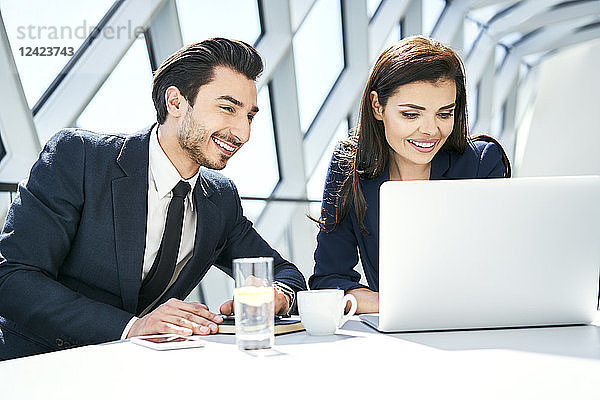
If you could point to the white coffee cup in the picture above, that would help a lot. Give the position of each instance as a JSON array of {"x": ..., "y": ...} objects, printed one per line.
[{"x": 322, "y": 311}]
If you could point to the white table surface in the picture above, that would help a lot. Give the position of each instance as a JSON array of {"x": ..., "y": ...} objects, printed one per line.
[{"x": 357, "y": 362}]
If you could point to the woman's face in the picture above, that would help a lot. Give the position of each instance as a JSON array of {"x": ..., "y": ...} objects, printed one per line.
[{"x": 418, "y": 118}]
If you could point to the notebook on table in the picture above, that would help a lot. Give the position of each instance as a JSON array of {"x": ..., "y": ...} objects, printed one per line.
[
  {"x": 488, "y": 253},
  {"x": 282, "y": 325}
]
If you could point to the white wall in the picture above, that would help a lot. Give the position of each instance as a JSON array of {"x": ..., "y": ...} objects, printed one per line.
[{"x": 563, "y": 137}]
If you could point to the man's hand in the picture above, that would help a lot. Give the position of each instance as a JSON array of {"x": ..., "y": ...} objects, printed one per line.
[
  {"x": 176, "y": 316},
  {"x": 282, "y": 304}
]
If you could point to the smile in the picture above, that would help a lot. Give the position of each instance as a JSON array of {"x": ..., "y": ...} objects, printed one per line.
[
  {"x": 424, "y": 146},
  {"x": 229, "y": 149}
]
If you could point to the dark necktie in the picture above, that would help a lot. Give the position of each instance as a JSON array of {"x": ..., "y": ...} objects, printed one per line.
[{"x": 163, "y": 267}]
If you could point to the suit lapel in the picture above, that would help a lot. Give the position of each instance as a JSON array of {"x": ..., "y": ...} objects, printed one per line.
[
  {"x": 439, "y": 165},
  {"x": 209, "y": 221},
  {"x": 130, "y": 208}
]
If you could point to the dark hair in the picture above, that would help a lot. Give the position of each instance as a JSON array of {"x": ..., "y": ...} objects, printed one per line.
[
  {"x": 193, "y": 66},
  {"x": 366, "y": 152}
]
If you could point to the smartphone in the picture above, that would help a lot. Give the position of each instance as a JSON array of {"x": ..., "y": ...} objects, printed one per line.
[{"x": 168, "y": 341}]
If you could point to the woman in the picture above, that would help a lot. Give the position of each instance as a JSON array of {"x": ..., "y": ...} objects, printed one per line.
[{"x": 413, "y": 126}]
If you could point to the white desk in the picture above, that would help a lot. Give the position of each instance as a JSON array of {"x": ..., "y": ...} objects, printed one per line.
[{"x": 358, "y": 362}]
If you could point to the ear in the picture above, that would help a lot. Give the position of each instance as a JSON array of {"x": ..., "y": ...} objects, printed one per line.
[
  {"x": 175, "y": 102},
  {"x": 375, "y": 106}
]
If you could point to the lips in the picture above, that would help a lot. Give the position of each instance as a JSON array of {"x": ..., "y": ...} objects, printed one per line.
[
  {"x": 227, "y": 148},
  {"x": 423, "y": 145}
]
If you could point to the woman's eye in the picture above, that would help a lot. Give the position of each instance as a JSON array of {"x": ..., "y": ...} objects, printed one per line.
[
  {"x": 445, "y": 115},
  {"x": 410, "y": 115}
]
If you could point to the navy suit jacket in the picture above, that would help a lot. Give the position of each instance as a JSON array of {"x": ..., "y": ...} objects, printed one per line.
[
  {"x": 71, "y": 251},
  {"x": 338, "y": 250}
]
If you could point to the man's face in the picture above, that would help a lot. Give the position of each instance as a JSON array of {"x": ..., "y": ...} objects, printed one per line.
[{"x": 218, "y": 124}]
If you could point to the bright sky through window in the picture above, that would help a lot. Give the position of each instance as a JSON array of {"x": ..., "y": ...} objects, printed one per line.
[
  {"x": 124, "y": 102},
  {"x": 234, "y": 19},
  {"x": 318, "y": 57},
  {"x": 42, "y": 23}
]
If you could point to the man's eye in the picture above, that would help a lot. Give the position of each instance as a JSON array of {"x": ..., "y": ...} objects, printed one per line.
[
  {"x": 446, "y": 115},
  {"x": 227, "y": 108},
  {"x": 410, "y": 115},
  {"x": 250, "y": 118}
]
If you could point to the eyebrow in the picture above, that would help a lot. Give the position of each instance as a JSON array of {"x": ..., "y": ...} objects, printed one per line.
[
  {"x": 238, "y": 103},
  {"x": 423, "y": 108}
]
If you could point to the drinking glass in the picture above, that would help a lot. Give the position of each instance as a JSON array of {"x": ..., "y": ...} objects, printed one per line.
[{"x": 254, "y": 300}]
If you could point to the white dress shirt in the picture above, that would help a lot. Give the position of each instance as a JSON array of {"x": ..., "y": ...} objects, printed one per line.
[{"x": 162, "y": 178}]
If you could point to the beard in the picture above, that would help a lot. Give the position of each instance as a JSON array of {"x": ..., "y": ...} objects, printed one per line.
[{"x": 194, "y": 138}]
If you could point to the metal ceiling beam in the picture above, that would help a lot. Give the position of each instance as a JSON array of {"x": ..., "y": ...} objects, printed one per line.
[
  {"x": 164, "y": 34},
  {"x": 485, "y": 44},
  {"x": 556, "y": 15},
  {"x": 557, "y": 37},
  {"x": 299, "y": 9},
  {"x": 342, "y": 98},
  {"x": 388, "y": 15},
  {"x": 17, "y": 130},
  {"x": 276, "y": 41},
  {"x": 277, "y": 218},
  {"x": 448, "y": 28},
  {"x": 542, "y": 41},
  {"x": 485, "y": 3},
  {"x": 412, "y": 20},
  {"x": 97, "y": 61}
]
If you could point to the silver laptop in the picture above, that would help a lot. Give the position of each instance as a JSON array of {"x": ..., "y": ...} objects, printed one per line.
[{"x": 488, "y": 253}]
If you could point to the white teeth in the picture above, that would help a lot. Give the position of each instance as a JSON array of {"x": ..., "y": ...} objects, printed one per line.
[
  {"x": 223, "y": 144},
  {"x": 423, "y": 144}
]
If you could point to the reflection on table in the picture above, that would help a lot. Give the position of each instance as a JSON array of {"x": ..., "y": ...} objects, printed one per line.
[{"x": 357, "y": 362}]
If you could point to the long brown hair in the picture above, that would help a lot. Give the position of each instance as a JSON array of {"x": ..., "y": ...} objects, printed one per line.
[{"x": 365, "y": 154}]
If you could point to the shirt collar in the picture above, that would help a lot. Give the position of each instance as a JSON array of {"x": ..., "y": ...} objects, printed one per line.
[{"x": 163, "y": 173}]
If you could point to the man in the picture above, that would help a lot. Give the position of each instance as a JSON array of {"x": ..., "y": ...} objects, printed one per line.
[{"x": 110, "y": 232}]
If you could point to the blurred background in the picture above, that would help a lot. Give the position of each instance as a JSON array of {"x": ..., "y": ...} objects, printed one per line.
[{"x": 533, "y": 75}]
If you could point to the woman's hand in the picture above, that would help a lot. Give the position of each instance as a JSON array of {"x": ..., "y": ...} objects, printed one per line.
[
  {"x": 282, "y": 304},
  {"x": 366, "y": 299}
]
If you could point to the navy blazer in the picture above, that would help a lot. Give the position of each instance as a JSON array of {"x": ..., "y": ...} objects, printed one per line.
[
  {"x": 71, "y": 251},
  {"x": 337, "y": 251}
]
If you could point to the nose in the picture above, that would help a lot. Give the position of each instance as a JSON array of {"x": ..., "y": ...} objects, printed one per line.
[
  {"x": 428, "y": 125},
  {"x": 241, "y": 130}
]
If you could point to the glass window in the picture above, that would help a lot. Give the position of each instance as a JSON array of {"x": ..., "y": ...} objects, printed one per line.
[
  {"x": 233, "y": 19},
  {"x": 473, "y": 106},
  {"x": 124, "y": 102},
  {"x": 318, "y": 57},
  {"x": 432, "y": 9},
  {"x": 316, "y": 183},
  {"x": 485, "y": 14},
  {"x": 298, "y": 11},
  {"x": 41, "y": 24},
  {"x": 393, "y": 37},
  {"x": 372, "y": 6},
  {"x": 498, "y": 122},
  {"x": 510, "y": 39},
  {"x": 2, "y": 149},
  {"x": 535, "y": 58},
  {"x": 500, "y": 55},
  {"x": 470, "y": 31},
  {"x": 253, "y": 209},
  {"x": 254, "y": 167}
]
